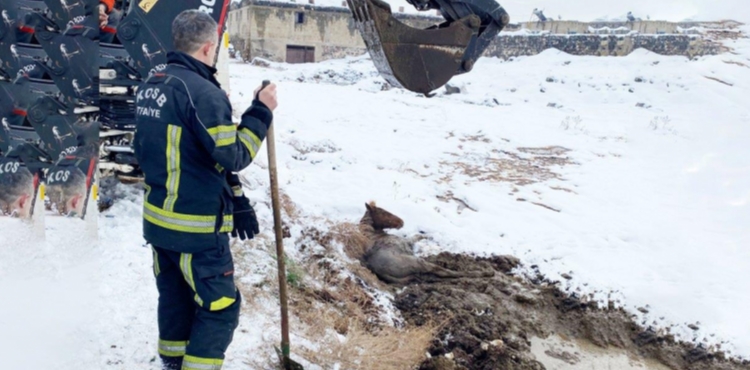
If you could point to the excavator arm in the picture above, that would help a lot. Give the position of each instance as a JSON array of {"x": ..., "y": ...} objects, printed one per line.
[
  {"x": 147, "y": 37},
  {"x": 422, "y": 60}
]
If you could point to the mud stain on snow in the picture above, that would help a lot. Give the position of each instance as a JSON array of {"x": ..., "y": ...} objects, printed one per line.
[
  {"x": 557, "y": 353},
  {"x": 518, "y": 323}
]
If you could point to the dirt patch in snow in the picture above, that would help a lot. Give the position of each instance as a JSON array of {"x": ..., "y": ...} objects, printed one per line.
[
  {"x": 331, "y": 76},
  {"x": 491, "y": 323},
  {"x": 524, "y": 167}
]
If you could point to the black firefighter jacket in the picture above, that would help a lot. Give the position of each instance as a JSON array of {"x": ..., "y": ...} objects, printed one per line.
[{"x": 187, "y": 145}]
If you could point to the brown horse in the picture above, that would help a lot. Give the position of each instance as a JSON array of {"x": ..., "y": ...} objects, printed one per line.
[{"x": 392, "y": 258}]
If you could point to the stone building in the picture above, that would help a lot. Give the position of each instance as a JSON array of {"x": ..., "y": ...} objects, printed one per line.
[{"x": 298, "y": 33}]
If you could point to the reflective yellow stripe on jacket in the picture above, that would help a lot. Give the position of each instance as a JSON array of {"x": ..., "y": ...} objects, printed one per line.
[
  {"x": 250, "y": 140},
  {"x": 223, "y": 135},
  {"x": 183, "y": 222},
  {"x": 174, "y": 133}
]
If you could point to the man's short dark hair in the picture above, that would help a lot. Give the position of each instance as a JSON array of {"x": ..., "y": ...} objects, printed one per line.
[
  {"x": 14, "y": 185},
  {"x": 191, "y": 29}
]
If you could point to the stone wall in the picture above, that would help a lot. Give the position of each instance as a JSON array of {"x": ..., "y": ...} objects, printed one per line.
[
  {"x": 643, "y": 27},
  {"x": 508, "y": 46},
  {"x": 573, "y": 27}
]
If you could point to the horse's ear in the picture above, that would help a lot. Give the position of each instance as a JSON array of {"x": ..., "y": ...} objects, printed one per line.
[{"x": 368, "y": 207}]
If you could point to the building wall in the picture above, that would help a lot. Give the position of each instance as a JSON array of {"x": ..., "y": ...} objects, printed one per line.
[{"x": 265, "y": 30}]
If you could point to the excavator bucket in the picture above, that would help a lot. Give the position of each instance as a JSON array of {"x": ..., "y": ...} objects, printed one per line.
[
  {"x": 415, "y": 59},
  {"x": 422, "y": 60}
]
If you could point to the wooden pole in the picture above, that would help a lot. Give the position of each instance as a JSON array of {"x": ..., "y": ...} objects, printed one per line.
[{"x": 272, "y": 171}]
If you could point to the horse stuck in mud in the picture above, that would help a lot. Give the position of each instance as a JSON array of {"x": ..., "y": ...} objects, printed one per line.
[{"x": 392, "y": 258}]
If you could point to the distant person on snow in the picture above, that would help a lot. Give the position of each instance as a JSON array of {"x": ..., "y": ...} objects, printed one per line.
[
  {"x": 539, "y": 14},
  {"x": 189, "y": 151}
]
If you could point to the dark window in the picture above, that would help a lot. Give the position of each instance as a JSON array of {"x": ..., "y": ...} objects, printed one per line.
[{"x": 300, "y": 17}]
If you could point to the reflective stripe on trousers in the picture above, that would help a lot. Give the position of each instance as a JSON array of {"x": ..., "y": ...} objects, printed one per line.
[
  {"x": 186, "y": 260},
  {"x": 157, "y": 269},
  {"x": 199, "y": 363},
  {"x": 171, "y": 348}
]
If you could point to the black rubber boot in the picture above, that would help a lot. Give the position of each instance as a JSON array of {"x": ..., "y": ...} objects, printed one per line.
[{"x": 171, "y": 363}]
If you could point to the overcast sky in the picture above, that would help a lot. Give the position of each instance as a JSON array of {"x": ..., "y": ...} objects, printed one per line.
[{"x": 671, "y": 10}]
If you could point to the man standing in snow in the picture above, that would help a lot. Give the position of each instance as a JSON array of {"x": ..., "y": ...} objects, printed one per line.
[
  {"x": 189, "y": 149},
  {"x": 539, "y": 14}
]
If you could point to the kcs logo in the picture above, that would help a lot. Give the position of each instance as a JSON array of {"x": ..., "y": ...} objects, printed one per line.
[
  {"x": 9, "y": 167},
  {"x": 58, "y": 176}
]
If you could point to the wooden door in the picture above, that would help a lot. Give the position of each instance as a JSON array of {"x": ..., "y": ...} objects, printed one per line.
[{"x": 300, "y": 54}]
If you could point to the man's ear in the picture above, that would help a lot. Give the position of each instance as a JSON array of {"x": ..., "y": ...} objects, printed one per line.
[
  {"x": 22, "y": 200},
  {"x": 74, "y": 201}
]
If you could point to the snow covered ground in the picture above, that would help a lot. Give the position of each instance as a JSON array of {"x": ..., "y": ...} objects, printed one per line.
[
  {"x": 637, "y": 188},
  {"x": 653, "y": 204},
  {"x": 48, "y": 283}
]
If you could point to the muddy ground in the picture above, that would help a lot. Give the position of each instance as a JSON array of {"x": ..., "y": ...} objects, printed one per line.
[
  {"x": 489, "y": 323},
  {"x": 480, "y": 323}
]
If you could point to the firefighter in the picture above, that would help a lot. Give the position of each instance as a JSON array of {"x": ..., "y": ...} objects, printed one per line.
[{"x": 189, "y": 149}]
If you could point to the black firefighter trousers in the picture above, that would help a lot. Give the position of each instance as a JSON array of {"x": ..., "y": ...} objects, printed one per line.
[{"x": 199, "y": 307}]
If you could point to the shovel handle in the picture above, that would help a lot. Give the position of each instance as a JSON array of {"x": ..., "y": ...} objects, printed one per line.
[
  {"x": 271, "y": 144},
  {"x": 263, "y": 86}
]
